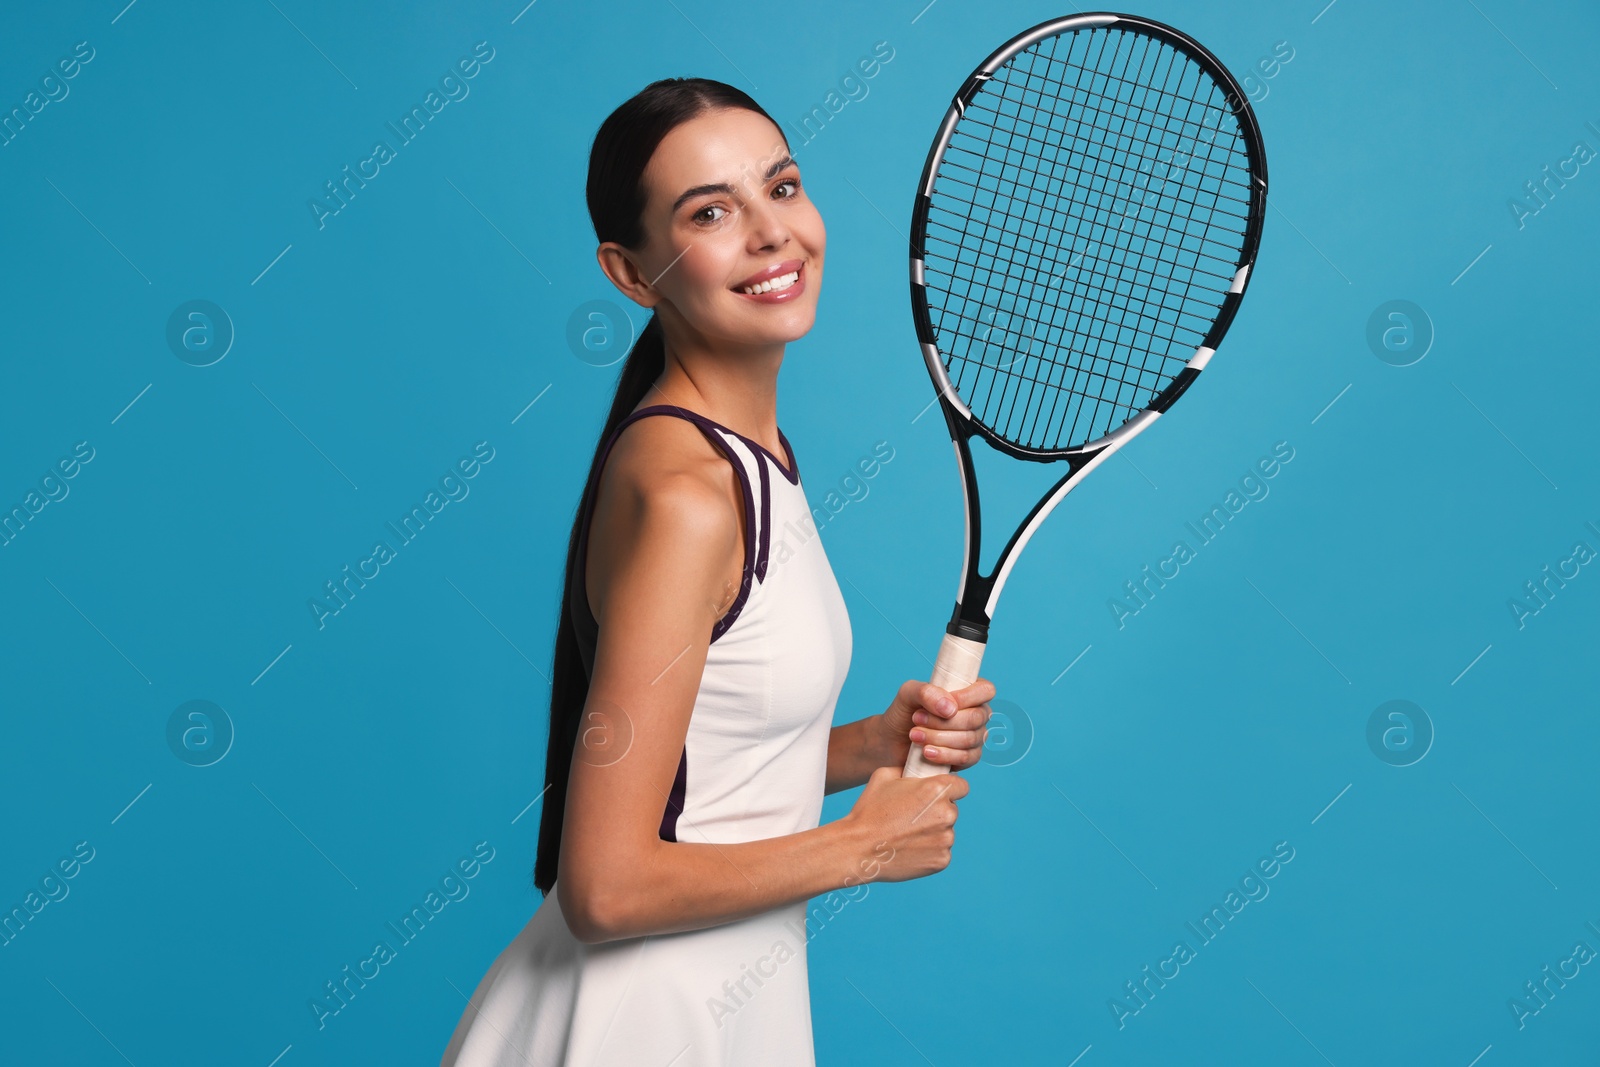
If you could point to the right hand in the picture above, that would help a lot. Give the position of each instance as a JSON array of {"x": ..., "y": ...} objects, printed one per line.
[{"x": 906, "y": 824}]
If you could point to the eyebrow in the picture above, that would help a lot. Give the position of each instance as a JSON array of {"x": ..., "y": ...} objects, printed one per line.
[{"x": 724, "y": 187}]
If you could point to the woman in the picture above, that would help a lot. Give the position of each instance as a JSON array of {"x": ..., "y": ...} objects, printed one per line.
[{"x": 696, "y": 667}]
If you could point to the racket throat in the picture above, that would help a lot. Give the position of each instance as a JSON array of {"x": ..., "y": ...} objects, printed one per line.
[
  {"x": 970, "y": 629},
  {"x": 980, "y": 592}
]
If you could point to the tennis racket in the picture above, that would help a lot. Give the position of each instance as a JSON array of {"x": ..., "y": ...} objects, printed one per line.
[{"x": 1084, "y": 229}]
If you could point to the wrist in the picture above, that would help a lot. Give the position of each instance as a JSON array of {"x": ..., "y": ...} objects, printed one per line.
[
  {"x": 858, "y": 852},
  {"x": 885, "y": 747}
]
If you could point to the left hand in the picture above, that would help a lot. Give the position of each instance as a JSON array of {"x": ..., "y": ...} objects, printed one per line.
[{"x": 950, "y": 725}]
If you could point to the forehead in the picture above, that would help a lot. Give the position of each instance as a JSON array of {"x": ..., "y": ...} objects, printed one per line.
[{"x": 735, "y": 146}]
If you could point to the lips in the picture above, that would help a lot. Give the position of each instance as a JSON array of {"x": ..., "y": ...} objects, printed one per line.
[
  {"x": 777, "y": 270},
  {"x": 790, "y": 293}
]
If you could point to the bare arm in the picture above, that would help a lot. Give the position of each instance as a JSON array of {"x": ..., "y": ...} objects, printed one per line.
[
  {"x": 856, "y": 749},
  {"x": 664, "y": 587}
]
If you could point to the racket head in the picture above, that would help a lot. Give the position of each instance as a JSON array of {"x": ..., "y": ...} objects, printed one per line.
[{"x": 1084, "y": 229}]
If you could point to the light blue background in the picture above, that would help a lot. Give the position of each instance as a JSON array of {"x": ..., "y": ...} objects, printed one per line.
[{"x": 431, "y": 311}]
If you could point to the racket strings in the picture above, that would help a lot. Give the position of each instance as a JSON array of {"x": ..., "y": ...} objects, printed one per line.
[
  {"x": 1094, "y": 412},
  {"x": 1134, "y": 146},
  {"x": 1155, "y": 311},
  {"x": 1224, "y": 253},
  {"x": 1156, "y": 120},
  {"x": 1033, "y": 168},
  {"x": 978, "y": 175},
  {"x": 1160, "y": 299},
  {"x": 1107, "y": 266},
  {"x": 1120, "y": 412}
]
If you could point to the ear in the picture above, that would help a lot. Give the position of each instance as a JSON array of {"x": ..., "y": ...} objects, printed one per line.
[{"x": 619, "y": 266}]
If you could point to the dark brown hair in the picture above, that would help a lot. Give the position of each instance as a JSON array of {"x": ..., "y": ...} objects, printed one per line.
[{"x": 616, "y": 195}]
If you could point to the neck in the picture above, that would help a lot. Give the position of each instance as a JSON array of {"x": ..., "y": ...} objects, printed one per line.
[{"x": 736, "y": 386}]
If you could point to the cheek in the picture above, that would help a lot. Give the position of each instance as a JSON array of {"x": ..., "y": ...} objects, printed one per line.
[
  {"x": 817, "y": 233},
  {"x": 700, "y": 273}
]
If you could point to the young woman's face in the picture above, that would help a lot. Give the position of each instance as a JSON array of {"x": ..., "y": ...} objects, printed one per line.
[{"x": 726, "y": 213}]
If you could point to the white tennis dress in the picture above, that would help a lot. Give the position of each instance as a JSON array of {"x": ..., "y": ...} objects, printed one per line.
[{"x": 753, "y": 767}]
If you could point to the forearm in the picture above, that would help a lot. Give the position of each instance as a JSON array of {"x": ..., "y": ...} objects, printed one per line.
[
  {"x": 689, "y": 885},
  {"x": 856, "y": 749}
]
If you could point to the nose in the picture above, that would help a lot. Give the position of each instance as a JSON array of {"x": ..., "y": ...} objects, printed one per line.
[{"x": 767, "y": 228}]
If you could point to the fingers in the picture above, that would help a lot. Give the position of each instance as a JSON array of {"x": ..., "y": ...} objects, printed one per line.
[
  {"x": 955, "y": 758},
  {"x": 932, "y": 698},
  {"x": 950, "y": 738},
  {"x": 981, "y": 691},
  {"x": 958, "y": 719},
  {"x": 939, "y": 787},
  {"x": 965, "y": 719},
  {"x": 948, "y": 702}
]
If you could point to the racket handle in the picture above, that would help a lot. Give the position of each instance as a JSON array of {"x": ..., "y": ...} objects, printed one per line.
[{"x": 956, "y": 668}]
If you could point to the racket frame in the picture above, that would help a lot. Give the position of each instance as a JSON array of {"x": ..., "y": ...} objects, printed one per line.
[{"x": 977, "y": 594}]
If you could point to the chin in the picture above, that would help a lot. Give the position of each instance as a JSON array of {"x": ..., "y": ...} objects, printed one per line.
[
  {"x": 768, "y": 328},
  {"x": 799, "y": 325}
]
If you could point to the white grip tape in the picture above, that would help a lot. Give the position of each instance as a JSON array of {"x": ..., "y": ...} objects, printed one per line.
[{"x": 956, "y": 668}]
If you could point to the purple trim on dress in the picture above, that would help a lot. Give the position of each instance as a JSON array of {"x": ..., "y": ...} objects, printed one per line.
[
  {"x": 669, "y": 817},
  {"x": 766, "y": 520},
  {"x": 584, "y": 622},
  {"x": 748, "y": 571},
  {"x": 790, "y": 472},
  {"x": 793, "y": 473}
]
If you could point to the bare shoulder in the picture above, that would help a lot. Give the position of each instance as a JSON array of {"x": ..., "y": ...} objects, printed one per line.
[{"x": 668, "y": 505}]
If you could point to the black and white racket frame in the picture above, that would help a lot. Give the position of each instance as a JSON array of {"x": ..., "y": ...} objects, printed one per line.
[{"x": 978, "y": 593}]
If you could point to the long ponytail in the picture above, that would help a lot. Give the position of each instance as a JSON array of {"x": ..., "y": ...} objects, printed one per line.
[{"x": 616, "y": 197}]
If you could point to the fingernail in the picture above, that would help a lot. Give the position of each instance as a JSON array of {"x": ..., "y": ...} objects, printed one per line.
[
  {"x": 947, "y": 706},
  {"x": 919, "y": 718},
  {"x": 930, "y": 751},
  {"x": 918, "y": 736}
]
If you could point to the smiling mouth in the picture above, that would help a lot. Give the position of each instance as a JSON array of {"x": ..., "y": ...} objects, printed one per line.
[{"x": 775, "y": 284}]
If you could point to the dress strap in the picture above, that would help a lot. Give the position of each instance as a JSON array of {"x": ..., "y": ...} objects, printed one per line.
[
  {"x": 757, "y": 512},
  {"x": 755, "y": 560}
]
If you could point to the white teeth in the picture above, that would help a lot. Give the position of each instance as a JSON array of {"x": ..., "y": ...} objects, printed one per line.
[{"x": 781, "y": 282}]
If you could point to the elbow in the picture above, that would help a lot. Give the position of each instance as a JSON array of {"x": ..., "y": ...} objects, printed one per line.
[{"x": 592, "y": 915}]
